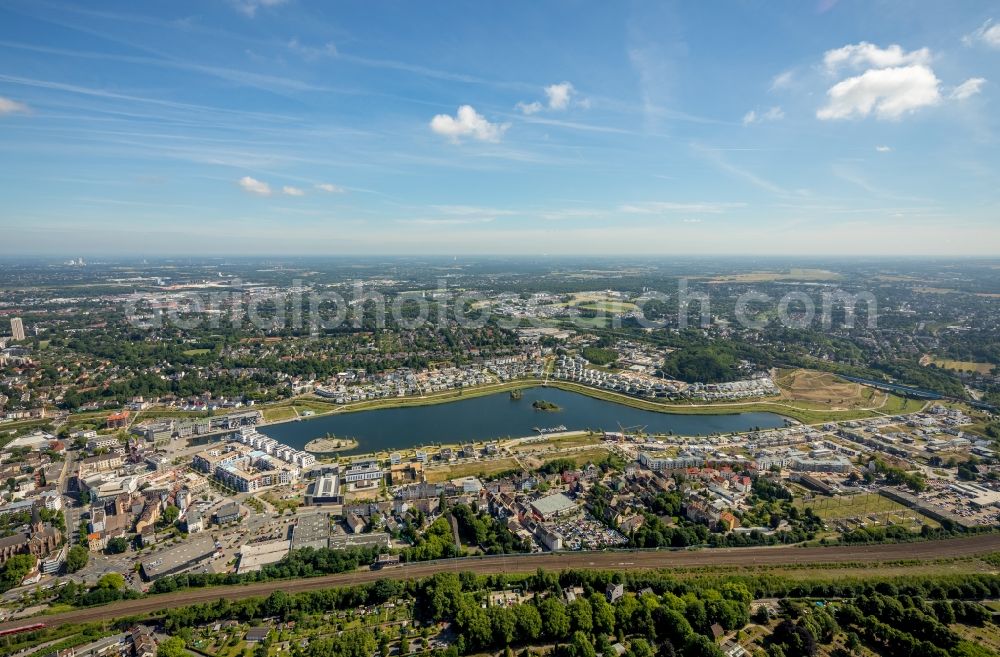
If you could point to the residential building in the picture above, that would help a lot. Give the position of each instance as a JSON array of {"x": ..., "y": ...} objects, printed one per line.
[{"x": 17, "y": 328}]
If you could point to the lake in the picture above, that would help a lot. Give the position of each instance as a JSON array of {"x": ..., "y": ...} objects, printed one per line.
[{"x": 498, "y": 416}]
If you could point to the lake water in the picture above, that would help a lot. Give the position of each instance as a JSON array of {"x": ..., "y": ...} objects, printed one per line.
[{"x": 498, "y": 416}]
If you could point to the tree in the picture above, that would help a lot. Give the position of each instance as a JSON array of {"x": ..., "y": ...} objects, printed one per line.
[
  {"x": 117, "y": 545},
  {"x": 555, "y": 621},
  {"x": 504, "y": 625},
  {"x": 474, "y": 624},
  {"x": 15, "y": 569},
  {"x": 529, "y": 622},
  {"x": 603, "y": 614},
  {"x": 170, "y": 514},
  {"x": 698, "y": 645},
  {"x": 641, "y": 648},
  {"x": 77, "y": 558},
  {"x": 581, "y": 615},
  {"x": 442, "y": 594},
  {"x": 582, "y": 646},
  {"x": 113, "y": 581},
  {"x": 172, "y": 647}
]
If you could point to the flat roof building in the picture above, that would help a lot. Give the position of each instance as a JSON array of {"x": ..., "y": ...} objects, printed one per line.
[
  {"x": 553, "y": 506},
  {"x": 325, "y": 490},
  {"x": 311, "y": 530},
  {"x": 178, "y": 559}
]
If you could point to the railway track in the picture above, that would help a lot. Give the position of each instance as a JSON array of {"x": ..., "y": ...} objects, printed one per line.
[{"x": 511, "y": 564}]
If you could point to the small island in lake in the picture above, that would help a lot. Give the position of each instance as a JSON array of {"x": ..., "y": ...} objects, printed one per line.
[
  {"x": 516, "y": 394},
  {"x": 330, "y": 443},
  {"x": 542, "y": 405}
]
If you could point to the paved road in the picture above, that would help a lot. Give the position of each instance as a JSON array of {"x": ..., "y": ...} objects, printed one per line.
[{"x": 773, "y": 556}]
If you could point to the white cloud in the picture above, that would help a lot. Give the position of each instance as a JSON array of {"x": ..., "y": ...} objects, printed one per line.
[
  {"x": 773, "y": 114},
  {"x": 468, "y": 123},
  {"x": 970, "y": 87},
  {"x": 446, "y": 222},
  {"x": 471, "y": 210},
  {"x": 330, "y": 188},
  {"x": 861, "y": 55},
  {"x": 254, "y": 186},
  {"x": 988, "y": 33},
  {"x": 8, "y": 106},
  {"x": 889, "y": 93},
  {"x": 249, "y": 7},
  {"x": 292, "y": 191},
  {"x": 312, "y": 52},
  {"x": 530, "y": 108},
  {"x": 782, "y": 80},
  {"x": 662, "y": 207},
  {"x": 559, "y": 95},
  {"x": 883, "y": 149}
]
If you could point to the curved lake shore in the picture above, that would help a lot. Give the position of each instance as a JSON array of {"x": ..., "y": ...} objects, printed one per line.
[{"x": 496, "y": 415}]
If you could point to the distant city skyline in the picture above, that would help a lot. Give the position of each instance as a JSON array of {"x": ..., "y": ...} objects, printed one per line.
[{"x": 290, "y": 127}]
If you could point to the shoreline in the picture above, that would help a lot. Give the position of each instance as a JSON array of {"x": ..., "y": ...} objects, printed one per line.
[
  {"x": 728, "y": 408},
  {"x": 777, "y": 406}
]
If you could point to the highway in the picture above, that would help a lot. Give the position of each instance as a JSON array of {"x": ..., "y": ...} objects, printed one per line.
[{"x": 748, "y": 557}]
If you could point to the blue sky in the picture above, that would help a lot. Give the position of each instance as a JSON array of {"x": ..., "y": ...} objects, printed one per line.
[{"x": 295, "y": 127}]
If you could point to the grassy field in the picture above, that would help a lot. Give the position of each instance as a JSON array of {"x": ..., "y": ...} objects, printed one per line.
[
  {"x": 987, "y": 636},
  {"x": 561, "y": 442},
  {"x": 196, "y": 352},
  {"x": 475, "y": 469},
  {"x": 895, "y": 405},
  {"x": 793, "y": 274},
  {"x": 813, "y": 386},
  {"x": 279, "y": 413},
  {"x": 584, "y": 456},
  {"x": 607, "y": 306},
  {"x": 600, "y": 302},
  {"x": 957, "y": 365}
]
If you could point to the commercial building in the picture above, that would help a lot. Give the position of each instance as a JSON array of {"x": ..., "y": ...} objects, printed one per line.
[
  {"x": 325, "y": 490},
  {"x": 311, "y": 530},
  {"x": 553, "y": 506},
  {"x": 184, "y": 557},
  {"x": 227, "y": 513},
  {"x": 256, "y": 555}
]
